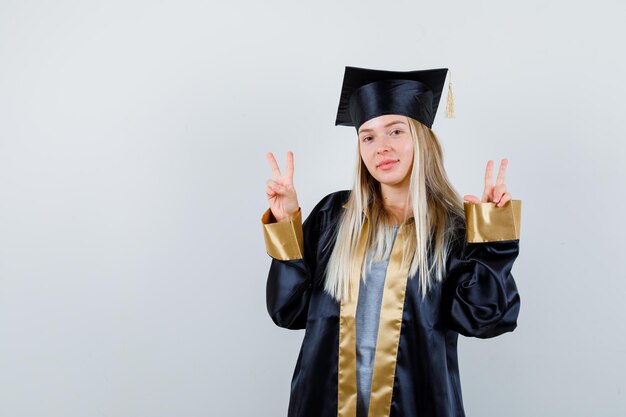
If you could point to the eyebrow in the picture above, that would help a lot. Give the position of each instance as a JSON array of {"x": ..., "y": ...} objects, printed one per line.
[{"x": 387, "y": 125}]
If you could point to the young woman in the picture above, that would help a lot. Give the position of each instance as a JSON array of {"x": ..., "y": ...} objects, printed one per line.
[{"x": 385, "y": 276}]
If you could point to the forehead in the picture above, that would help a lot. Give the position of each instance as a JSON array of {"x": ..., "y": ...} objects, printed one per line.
[{"x": 382, "y": 122}]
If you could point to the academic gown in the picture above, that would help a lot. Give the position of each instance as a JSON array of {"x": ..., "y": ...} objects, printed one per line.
[{"x": 416, "y": 370}]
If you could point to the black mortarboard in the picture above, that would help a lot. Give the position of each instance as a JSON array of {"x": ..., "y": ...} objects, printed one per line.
[{"x": 368, "y": 93}]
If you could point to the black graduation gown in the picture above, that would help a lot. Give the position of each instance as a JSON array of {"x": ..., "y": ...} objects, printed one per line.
[{"x": 418, "y": 373}]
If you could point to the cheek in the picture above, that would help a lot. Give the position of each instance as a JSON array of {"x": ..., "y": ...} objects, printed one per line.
[
  {"x": 365, "y": 157},
  {"x": 408, "y": 151}
]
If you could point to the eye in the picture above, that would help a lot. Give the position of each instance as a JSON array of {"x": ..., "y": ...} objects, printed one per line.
[
  {"x": 396, "y": 132},
  {"x": 366, "y": 138}
]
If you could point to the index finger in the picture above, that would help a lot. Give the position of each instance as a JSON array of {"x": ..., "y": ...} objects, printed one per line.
[
  {"x": 273, "y": 164},
  {"x": 289, "y": 172},
  {"x": 489, "y": 177},
  {"x": 503, "y": 165}
]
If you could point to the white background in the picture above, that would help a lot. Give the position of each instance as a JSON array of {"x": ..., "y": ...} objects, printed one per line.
[{"x": 132, "y": 172}]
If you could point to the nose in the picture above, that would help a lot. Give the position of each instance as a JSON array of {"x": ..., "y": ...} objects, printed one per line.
[{"x": 383, "y": 144}]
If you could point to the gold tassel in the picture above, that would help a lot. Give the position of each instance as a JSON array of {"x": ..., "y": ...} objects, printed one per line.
[{"x": 450, "y": 103}]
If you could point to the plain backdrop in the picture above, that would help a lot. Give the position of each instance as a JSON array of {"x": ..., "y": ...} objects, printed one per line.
[{"x": 132, "y": 181}]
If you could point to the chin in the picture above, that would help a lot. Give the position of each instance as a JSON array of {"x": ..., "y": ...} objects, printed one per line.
[{"x": 389, "y": 181}]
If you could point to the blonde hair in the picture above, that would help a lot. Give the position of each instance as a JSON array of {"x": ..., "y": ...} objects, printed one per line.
[{"x": 437, "y": 208}]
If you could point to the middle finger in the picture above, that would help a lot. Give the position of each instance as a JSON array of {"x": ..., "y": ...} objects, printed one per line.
[
  {"x": 273, "y": 164},
  {"x": 501, "y": 171}
]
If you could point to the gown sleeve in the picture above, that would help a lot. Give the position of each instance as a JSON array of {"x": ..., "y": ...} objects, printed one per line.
[
  {"x": 292, "y": 246},
  {"x": 483, "y": 300}
]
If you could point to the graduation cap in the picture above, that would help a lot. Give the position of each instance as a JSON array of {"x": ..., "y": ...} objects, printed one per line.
[{"x": 368, "y": 93}]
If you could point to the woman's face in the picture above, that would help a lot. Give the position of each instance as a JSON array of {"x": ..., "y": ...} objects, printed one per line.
[{"x": 386, "y": 148}]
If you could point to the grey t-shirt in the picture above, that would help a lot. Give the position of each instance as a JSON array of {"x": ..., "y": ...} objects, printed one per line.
[{"x": 367, "y": 318}]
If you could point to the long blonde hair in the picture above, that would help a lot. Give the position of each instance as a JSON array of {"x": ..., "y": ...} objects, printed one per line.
[{"x": 437, "y": 209}]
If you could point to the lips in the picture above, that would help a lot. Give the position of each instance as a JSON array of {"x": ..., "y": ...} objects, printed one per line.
[{"x": 387, "y": 164}]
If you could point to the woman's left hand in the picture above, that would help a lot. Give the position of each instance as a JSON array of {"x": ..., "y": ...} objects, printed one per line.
[{"x": 493, "y": 194}]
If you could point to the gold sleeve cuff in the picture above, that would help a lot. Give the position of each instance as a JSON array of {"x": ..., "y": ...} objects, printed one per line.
[
  {"x": 488, "y": 223},
  {"x": 283, "y": 240}
]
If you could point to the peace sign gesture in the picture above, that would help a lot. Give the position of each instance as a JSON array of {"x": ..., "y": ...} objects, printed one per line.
[
  {"x": 281, "y": 194},
  {"x": 495, "y": 194}
]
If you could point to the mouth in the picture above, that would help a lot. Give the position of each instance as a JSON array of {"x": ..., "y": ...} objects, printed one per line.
[{"x": 387, "y": 164}]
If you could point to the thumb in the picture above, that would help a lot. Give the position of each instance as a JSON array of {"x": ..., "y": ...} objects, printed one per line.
[{"x": 471, "y": 199}]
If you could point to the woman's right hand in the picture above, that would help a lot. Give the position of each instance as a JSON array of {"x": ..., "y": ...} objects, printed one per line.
[{"x": 281, "y": 194}]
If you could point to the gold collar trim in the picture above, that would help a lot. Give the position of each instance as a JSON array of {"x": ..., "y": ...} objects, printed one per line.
[{"x": 388, "y": 338}]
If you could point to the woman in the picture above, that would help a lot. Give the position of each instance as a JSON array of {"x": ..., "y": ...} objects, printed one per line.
[{"x": 385, "y": 276}]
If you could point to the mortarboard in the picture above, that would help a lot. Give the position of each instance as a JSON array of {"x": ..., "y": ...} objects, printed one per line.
[{"x": 368, "y": 93}]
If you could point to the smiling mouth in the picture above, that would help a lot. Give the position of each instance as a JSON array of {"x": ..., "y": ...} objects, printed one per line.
[{"x": 387, "y": 165}]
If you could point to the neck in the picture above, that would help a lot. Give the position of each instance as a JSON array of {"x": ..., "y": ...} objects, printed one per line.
[{"x": 395, "y": 201}]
